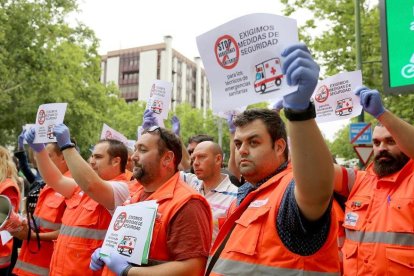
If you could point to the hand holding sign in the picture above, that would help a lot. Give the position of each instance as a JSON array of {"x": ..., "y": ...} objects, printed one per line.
[
  {"x": 96, "y": 262},
  {"x": 301, "y": 70},
  {"x": 371, "y": 101},
  {"x": 61, "y": 131},
  {"x": 149, "y": 119},
  {"x": 115, "y": 262},
  {"x": 30, "y": 137}
]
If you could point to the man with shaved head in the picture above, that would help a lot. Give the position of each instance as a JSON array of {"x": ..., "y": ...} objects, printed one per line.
[{"x": 208, "y": 180}]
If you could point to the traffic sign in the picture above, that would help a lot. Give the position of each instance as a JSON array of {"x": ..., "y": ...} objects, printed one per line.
[
  {"x": 364, "y": 153},
  {"x": 360, "y": 133},
  {"x": 397, "y": 45}
]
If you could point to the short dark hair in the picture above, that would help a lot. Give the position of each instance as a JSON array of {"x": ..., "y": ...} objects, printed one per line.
[
  {"x": 273, "y": 122},
  {"x": 200, "y": 138},
  {"x": 168, "y": 141},
  {"x": 116, "y": 149}
]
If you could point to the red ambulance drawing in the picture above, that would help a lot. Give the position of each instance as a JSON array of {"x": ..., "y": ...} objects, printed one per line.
[
  {"x": 157, "y": 106},
  {"x": 127, "y": 244},
  {"x": 344, "y": 107},
  {"x": 268, "y": 75}
]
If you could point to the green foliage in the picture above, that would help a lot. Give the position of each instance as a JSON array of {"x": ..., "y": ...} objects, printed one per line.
[
  {"x": 44, "y": 60},
  {"x": 193, "y": 123},
  {"x": 331, "y": 36}
]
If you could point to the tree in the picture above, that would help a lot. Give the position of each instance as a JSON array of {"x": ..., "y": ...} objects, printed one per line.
[
  {"x": 44, "y": 60},
  {"x": 334, "y": 48}
]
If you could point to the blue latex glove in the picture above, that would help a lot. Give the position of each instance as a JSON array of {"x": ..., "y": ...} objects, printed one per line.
[
  {"x": 278, "y": 106},
  {"x": 149, "y": 119},
  {"x": 176, "y": 125},
  {"x": 20, "y": 145},
  {"x": 96, "y": 262},
  {"x": 115, "y": 262},
  {"x": 300, "y": 69},
  {"x": 62, "y": 134},
  {"x": 29, "y": 137},
  {"x": 370, "y": 101},
  {"x": 230, "y": 124}
]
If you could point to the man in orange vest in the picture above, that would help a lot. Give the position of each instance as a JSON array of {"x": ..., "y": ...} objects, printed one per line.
[
  {"x": 34, "y": 260},
  {"x": 283, "y": 223},
  {"x": 379, "y": 214},
  {"x": 89, "y": 197},
  {"x": 183, "y": 227}
]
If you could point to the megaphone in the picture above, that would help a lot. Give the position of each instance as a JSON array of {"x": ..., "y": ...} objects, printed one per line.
[{"x": 9, "y": 220}]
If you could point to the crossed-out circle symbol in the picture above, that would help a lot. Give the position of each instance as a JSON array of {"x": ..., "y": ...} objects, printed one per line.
[
  {"x": 227, "y": 51},
  {"x": 120, "y": 220},
  {"x": 322, "y": 94},
  {"x": 41, "y": 117}
]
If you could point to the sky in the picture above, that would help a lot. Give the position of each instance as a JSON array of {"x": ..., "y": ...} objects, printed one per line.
[{"x": 121, "y": 24}]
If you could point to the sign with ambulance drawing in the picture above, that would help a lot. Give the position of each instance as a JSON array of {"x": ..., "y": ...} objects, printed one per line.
[
  {"x": 243, "y": 61},
  {"x": 160, "y": 99},
  {"x": 334, "y": 97},
  {"x": 48, "y": 115},
  {"x": 268, "y": 76},
  {"x": 130, "y": 232}
]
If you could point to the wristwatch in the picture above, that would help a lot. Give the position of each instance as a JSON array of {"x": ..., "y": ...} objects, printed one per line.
[
  {"x": 303, "y": 115},
  {"x": 67, "y": 146}
]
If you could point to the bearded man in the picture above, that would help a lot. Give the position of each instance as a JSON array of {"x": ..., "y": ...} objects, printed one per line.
[{"x": 379, "y": 214}]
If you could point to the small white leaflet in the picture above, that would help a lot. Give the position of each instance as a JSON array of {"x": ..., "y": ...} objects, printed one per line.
[
  {"x": 334, "y": 97},
  {"x": 48, "y": 115}
]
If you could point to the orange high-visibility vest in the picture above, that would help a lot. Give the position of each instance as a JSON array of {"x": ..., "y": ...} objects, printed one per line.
[
  {"x": 339, "y": 214},
  {"x": 48, "y": 216},
  {"x": 254, "y": 246},
  {"x": 6, "y": 250},
  {"x": 379, "y": 224},
  {"x": 83, "y": 229},
  {"x": 171, "y": 196}
]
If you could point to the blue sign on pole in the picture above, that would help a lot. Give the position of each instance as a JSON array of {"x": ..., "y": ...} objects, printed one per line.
[{"x": 360, "y": 133}]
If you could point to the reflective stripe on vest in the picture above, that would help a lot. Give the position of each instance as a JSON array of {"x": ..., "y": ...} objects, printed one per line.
[
  {"x": 242, "y": 268},
  {"x": 81, "y": 232},
  {"x": 380, "y": 237},
  {"x": 45, "y": 224},
  {"x": 38, "y": 270},
  {"x": 5, "y": 260}
]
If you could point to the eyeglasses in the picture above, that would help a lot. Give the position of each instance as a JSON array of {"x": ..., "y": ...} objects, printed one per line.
[{"x": 163, "y": 138}]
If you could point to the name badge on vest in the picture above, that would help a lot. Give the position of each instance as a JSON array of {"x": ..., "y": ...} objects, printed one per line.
[
  {"x": 351, "y": 218},
  {"x": 258, "y": 203}
]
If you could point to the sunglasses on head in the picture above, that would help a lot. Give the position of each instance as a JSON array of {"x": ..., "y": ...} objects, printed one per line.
[{"x": 155, "y": 128}]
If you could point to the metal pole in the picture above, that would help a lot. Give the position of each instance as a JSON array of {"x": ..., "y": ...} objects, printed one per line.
[
  {"x": 358, "y": 52},
  {"x": 358, "y": 44}
]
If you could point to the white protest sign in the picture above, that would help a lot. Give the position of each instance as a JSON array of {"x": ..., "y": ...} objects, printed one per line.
[
  {"x": 243, "y": 62},
  {"x": 48, "y": 115},
  {"x": 160, "y": 99},
  {"x": 110, "y": 133},
  {"x": 334, "y": 98},
  {"x": 130, "y": 231},
  {"x": 5, "y": 237},
  {"x": 234, "y": 112}
]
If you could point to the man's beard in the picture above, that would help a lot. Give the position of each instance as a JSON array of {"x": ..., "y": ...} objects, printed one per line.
[
  {"x": 138, "y": 172},
  {"x": 392, "y": 165}
]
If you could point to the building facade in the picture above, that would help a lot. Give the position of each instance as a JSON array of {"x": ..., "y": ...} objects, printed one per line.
[{"x": 134, "y": 70}]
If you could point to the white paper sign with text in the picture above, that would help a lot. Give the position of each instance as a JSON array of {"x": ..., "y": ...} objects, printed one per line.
[
  {"x": 243, "y": 61},
  {"x": 110, "y": 133},
  {"x": 130, "y": 231},
  {"x": 48, "y": 115},
  {"x": 160, "y": 99},
  {"x": 334, "y": 97}
]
